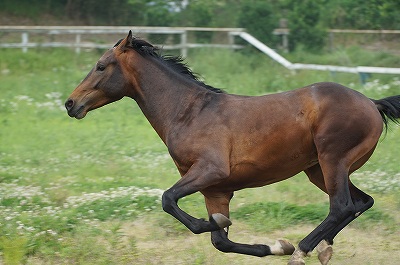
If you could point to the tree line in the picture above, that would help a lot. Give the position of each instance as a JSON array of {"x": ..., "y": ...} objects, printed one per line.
[{"x": 306, "y": 19}]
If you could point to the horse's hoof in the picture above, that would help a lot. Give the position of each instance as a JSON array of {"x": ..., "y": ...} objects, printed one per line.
[
  {"x": 221, "y": 220},
  {"x": 325, "y": 252},
  {"x": 282, "y": 247},
  {"x": 297, "y": 258}
]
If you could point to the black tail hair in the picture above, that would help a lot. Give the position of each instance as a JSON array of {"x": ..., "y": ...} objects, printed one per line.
[{"x": 389, "y": 108}]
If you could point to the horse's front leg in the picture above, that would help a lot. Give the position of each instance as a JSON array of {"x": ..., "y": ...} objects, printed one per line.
[
  {"x": 219, "y": 203},
  {"x": 201, "y": 175}
]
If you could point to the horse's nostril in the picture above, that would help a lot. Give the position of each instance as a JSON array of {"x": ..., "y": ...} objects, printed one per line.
[{"x": 69, "y": 104}]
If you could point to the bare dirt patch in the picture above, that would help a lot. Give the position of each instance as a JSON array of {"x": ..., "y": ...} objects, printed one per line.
[{"x": 352, "y": 246}]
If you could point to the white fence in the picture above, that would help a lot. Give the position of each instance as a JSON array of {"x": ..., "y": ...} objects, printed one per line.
[
  {"x": 184, "y": 45},
  {"x": 298, "y": 66},
  {"x": 78, "y": 31}
]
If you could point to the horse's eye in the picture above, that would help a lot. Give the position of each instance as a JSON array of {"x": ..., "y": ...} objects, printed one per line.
[{"x": 100, "y": 67}]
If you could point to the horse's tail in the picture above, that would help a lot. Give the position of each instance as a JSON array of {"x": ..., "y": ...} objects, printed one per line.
[{"x": 389, "y": 108}]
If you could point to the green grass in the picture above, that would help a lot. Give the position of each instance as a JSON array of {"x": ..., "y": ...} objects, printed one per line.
[{"x": 68, "y": 185}]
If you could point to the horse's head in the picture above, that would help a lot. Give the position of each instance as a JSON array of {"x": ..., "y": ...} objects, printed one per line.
[{"x": 105, "y": 83}]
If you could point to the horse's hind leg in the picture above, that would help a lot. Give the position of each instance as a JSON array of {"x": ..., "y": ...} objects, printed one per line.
[
  {"x": 324, "y": 248},
  {"x": 341, "y": 206},
  {"x": 219, "y": 203},
  {"x": 361, "y": 201}
]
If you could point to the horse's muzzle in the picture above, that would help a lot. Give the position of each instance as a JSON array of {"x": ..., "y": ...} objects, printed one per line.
[
  {"x": 69, "y": 104},
  {"x": 74, "y": 111}
]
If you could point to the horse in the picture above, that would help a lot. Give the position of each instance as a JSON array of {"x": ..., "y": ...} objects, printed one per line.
[{"x": 222, "y": 143}]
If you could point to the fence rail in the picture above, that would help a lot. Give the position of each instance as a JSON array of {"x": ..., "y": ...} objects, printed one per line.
[
  {"x": 365, "y": 31},
  {"x": 78, "y": 31},
  {"x": 362, "y": 70},
  {"x": 184, "y": 45}
]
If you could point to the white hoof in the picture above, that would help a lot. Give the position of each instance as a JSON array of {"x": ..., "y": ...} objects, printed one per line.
[
  {"x": 282, "y": 247},
  {"x": 324, "y": 251},
  {"x": 221, "y": 220},
  {"x": 297, "y": 258}
]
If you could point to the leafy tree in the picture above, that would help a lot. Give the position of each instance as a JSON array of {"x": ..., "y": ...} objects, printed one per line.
[
  {"x": 304, "y": 24},
  {"x": 155, "y": 12},
  {"x": 197, "y": 14},
  {"x": 360, "y": 14},
  {"x": 260, "y": 19},
  {"x": 389, "y": 14},
  {"x": 100, "y": 12}
]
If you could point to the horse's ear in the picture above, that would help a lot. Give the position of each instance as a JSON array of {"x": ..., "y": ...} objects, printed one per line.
[
  {"x": 129, "y": 40},
  {"x": 126, "y": 43}
]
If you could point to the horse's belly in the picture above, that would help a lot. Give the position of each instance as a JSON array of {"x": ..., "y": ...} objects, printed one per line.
[{"x": 249, "y": 175}]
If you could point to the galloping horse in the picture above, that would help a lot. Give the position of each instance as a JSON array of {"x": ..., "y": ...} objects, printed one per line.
[{"x": 222, "y": 143}]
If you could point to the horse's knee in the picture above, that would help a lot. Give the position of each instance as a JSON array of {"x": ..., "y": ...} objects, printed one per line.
[{"x": 167, "y": 202}]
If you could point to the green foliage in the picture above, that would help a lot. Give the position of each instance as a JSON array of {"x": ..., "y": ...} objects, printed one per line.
[
  {"x": 198, "y": 14},
  {"x": 305, "y": 26},
  {"x": 13, "y": 249},
  {"x": 358, "y": 14},
  {"x": 267, "y": 216},
  {"x": 260, "y": 19}
]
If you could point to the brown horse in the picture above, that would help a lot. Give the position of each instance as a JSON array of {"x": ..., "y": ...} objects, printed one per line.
[{"x": 222, "y": 143}]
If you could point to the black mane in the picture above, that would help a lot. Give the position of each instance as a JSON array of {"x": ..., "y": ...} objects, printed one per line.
[{"x": 175, "y": 62}]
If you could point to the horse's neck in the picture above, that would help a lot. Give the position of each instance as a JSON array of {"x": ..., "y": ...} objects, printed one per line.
[{"x": 164, "y": 96}]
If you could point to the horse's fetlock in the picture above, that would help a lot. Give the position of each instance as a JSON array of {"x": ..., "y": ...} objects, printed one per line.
[
  {"x": 305, "y": 246},
  {"x": 297, "y": 258},
  {"x": 221, "y": 245}
]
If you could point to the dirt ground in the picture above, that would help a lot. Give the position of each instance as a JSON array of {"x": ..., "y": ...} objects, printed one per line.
[{"x": 155, "y": 245}]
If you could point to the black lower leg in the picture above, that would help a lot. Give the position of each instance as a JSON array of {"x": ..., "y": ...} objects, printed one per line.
[
  {"x": 220, "y": 241},
  {"x": 195, "y": 225},
  {"x": 362, "y": 202},
  {"x": 337, "y": 216}
]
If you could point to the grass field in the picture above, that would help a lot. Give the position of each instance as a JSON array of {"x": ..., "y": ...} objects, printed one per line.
[{"x": 88, "y": 191}]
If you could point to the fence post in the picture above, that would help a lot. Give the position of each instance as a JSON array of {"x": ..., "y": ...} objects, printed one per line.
[
  {"x": 24, "y": 42},
  {"x": 285, "y": 42},
  {"x": 184, "y": 49},
  {"x": 331, "y": 40},
  {"x": 231, "y": 39},
  {"x": 77, "y": 43}
]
